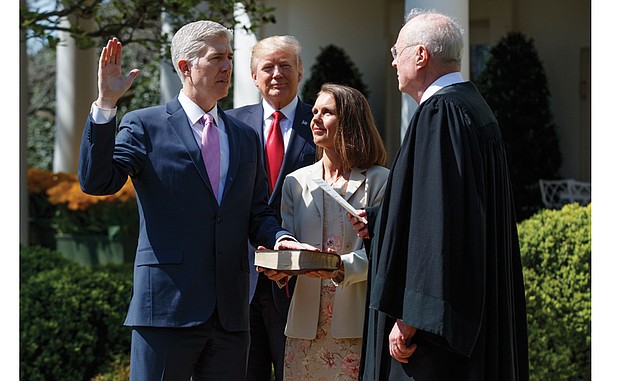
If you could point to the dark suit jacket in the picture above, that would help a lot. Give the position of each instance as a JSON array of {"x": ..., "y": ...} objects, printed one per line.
[
  {"x": 191, "y": 253},
  {"x": 301, "y": 151}
]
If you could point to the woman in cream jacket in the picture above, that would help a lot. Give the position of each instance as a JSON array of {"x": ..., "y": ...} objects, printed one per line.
[{"x": 326, "y": 316}]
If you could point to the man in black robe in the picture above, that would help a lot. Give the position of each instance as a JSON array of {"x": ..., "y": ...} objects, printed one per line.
[{"x": 446, "y": 297}]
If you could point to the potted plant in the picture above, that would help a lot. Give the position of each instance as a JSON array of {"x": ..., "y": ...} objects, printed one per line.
[{"x": 94, "y": 230}]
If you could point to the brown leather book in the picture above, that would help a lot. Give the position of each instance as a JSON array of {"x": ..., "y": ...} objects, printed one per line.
[{"x": 295, "y": 262}]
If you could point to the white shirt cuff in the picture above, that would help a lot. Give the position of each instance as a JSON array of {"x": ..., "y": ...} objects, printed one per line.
[
  {"x": 289, "y": 237},
  {"x": 102, "y": 115}
]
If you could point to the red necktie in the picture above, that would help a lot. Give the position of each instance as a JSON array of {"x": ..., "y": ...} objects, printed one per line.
[
  {"x": 211, "y": 152},
  {"x": 274, "y": 150}
]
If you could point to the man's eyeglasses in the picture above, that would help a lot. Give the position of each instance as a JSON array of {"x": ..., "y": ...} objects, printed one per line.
[{"x": 395, "y": 51}]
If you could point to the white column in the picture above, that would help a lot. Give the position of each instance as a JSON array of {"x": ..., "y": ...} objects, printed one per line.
[
  {"x": 169, "y": 82},
  {"x": 76, "y": 89},
  {"x": 459, "y": 10},
  {"x": 245, "y": 92}
]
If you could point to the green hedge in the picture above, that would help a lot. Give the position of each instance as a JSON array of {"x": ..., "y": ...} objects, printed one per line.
[
  {"x": 71, "y": 317},
  {"x": 556, "y": 251}
]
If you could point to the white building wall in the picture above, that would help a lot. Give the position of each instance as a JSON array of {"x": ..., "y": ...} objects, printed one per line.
[
  {"x": 365, "y": 29},
  {"x": 558, "y": 38},
  {"x": 245, "y": 92},
  {"x": 560, "y": 30}
]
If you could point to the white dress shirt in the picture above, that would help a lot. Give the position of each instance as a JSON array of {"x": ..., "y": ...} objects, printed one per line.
[
  {"x": 443, "y": 81},
  {"x": 194, "y": 114},
  {"x": 286, "y": 125}
]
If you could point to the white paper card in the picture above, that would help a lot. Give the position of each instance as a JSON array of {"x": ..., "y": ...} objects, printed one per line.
[{"x": 333, "y": 194}]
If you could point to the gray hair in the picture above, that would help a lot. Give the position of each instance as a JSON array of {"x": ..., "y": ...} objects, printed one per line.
[
  {"x": 274, "y": 44},
  {"x": 440, "y": 34},
  {"x": 191, "y": 38}
]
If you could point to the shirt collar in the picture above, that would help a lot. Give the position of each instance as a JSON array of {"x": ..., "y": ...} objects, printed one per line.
[
  {"x": 441, "y": 82},
  {"x": 194, "y": 112},
  {"x": 288, "y": 110}
]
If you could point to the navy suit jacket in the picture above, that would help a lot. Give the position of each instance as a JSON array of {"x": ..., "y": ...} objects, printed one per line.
[
  {"x": 300, "y": 152},
  {"x": 192, "y": 252}
]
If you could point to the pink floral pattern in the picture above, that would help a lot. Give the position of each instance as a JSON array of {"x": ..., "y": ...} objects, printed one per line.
[
  {"x": 333, "y": 242},
  {"x": 325, "y": 358}
]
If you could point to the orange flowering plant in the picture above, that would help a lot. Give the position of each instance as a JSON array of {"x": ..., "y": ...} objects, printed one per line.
[
  {"x": 78, "y": 212},
  {"x": 39, "y": 181}
]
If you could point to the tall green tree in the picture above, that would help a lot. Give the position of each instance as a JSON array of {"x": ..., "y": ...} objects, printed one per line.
[
  {"x": 514, "y": 84},
  {"x": 137, "y": 23},
  {"x": 131, "y": 21},
  {"x": 41, "y": 108}
]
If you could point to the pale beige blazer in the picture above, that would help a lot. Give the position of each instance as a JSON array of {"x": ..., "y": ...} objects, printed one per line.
[{"x": 302, "y": 215}]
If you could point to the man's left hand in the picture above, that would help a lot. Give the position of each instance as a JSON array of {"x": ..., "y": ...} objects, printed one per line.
[{"x": 399, "y": 337}]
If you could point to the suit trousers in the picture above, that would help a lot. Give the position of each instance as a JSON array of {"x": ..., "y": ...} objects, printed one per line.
[
  {"x": 266, "y": 334},
  {"x": 205, "y": 352}
]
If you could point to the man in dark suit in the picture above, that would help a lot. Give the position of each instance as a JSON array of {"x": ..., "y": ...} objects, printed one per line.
[
  {"x": 202, "y": 192},
  {"x": 445, "y": 295},
  {"x": 276, "y": 69}
]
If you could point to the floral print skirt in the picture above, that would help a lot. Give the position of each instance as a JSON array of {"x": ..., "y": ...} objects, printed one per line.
[{"x": 324, "y": 358}]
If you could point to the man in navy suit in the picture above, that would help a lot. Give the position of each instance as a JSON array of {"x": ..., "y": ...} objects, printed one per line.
[
  {"x": 276, "y": 69},
  {"x": 188, "y": 312}
]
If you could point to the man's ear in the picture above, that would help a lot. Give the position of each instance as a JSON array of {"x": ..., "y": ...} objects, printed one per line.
[
  {"x": 254, "y": 78},
  {"x": 184, "y": 66},
  {"x": 421, "y": 55}
]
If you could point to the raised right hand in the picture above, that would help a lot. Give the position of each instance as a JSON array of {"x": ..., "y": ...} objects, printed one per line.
[{"x": 111, "y": 83}]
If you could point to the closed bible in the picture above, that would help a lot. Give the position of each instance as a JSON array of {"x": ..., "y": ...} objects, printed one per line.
[{"x": 294, "y": 262}]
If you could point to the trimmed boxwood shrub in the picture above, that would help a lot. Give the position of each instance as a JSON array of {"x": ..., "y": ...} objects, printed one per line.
[
  {"x": 556, "y": 253},
  {"x": 514, "y": 84},
  {"x": 71, "y": 317},
  {"x": 117, "y": 370},
  {"x": 332, "y": 65}
]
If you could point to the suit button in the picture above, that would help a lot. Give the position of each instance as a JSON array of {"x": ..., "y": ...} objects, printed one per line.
[{"x": 219, "y": 219}]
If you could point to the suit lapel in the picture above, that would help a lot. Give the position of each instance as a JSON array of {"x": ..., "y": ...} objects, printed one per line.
[
  {"x": 315, "y": 195},
  {"x": 233, "y": 160},
  {"x": 255, "y": 120},
  {"x": 356, "y": 179},
  {"x": 180, "y": 125}
]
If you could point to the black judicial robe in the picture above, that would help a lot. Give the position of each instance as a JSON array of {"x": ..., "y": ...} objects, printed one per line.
[{"x": 444, "y": 252}]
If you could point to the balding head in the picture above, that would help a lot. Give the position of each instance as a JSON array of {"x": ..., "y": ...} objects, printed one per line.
[{"x": 440, "y": 34}]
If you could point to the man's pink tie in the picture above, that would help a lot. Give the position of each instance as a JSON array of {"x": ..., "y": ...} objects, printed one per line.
[
  {"x": 274, "y": 150},
  {"x": 211, "y": 152}
]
